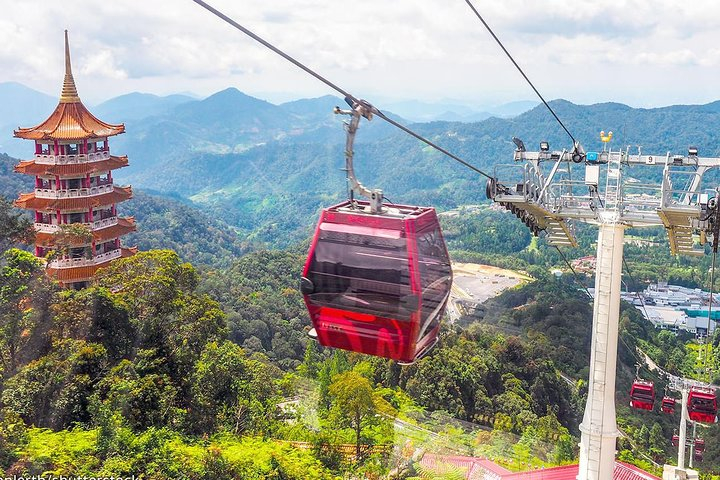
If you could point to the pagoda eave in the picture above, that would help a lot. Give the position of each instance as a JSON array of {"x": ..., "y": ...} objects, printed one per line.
[
  {"x": 124, "y": 226},
  {"x": 31, "y": 167},
  {"x": 84, "y": 273},
  {"x": 30, "y": 202},
  {"x": 70, "y": 122}
]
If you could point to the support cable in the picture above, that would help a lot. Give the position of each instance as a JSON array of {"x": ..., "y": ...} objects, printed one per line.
[
  {"x": 577, "y": 278},
  {"x": 712, "y": 288},
  {"x": 349, "y": 98},
  {"x": 637, "y": 294},
  {"x": 575, "y": 143}
]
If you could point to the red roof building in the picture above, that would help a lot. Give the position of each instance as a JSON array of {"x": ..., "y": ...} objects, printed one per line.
[
  {"x": 477, "y": 468},
  {"x": 73, "y": 168}
]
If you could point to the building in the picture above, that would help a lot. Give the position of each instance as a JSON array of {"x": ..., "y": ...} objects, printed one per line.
[
  {"x": 673, "y": 307},
  {"x": 475, "y": 468},
  {"x": 585, "y": 264},
  {"x": 73, "y": 169}
]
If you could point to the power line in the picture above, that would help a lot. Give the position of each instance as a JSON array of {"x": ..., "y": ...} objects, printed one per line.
[
  {"x": 349, "y": 98},
  {"x": 520, "y": 70},
  {"x": 436, "y": 147}
]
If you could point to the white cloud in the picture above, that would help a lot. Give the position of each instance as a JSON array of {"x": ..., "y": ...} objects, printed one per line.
[
  {"x": 102, "y": 63},
  {"x": 578, "y": 49}
]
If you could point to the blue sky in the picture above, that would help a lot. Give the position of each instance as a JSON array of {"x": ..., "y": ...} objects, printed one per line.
[{"x": 642, "y": 53}]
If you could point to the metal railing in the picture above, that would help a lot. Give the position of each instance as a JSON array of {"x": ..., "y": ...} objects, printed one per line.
[
  {"x": 73, "y": 192},
  {"x": 48, "y": 159},
  {"x": 86, "y": 262},
  {"x": 96, "y": 225},
  {"x": 672, "y": 196}
]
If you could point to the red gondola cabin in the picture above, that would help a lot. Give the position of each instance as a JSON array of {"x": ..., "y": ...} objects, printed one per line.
[
  {"x": 700, "y": 444},
  {"x": 675, "y": 440},
  {"x": 668, "y": 405},
  {"x": 642, "y": 395},
  {"x": 698, "y": 455},
  {"x": 702, "y": 405},
  {"x": 377, "y": 283}
]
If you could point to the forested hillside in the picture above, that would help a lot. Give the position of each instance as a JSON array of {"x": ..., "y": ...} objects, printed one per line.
[
  {"x": 157, "y": 357},
  {"x": 278, "y": 184},
  {"x": 192, "y": 357}
]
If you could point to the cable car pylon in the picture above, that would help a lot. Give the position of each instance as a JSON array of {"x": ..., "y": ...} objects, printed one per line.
[{"x": 539, "y": 188}]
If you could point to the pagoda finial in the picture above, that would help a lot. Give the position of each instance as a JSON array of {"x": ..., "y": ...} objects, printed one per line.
[{"x": 69, "y": 92}]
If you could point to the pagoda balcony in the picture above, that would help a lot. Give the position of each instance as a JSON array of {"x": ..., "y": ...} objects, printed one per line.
[
  {"x": 48, "y": 159},
  {"x": 74, "y": 192},
  {"x": 86, "y": 262},
  {"x": 96, "y": 225}
]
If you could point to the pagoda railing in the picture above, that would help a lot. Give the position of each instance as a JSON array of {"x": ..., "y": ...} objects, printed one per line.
[
  {"x": 103, "y": 223},
  {"x": 74, "y": 192},
  {"x": 86, "y": 262},
  {"x": 96, "y": 225},
  {"x": 47, "y": 159}
]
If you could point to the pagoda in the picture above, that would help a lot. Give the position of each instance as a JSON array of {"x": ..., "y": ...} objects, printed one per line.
[{"x": 74, "y": 185}]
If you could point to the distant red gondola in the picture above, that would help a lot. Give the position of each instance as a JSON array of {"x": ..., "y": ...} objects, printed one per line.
[
  {"x": 642, "y": 395},
  {"x": 675, "y": 440},
  {"x": 700, "y": 444},
  {"x": 668, "y": 405},
  {"x": 698, "y": 455},
  {"x": 377, "y": 283},
  {"x": 702, "y": 405}
]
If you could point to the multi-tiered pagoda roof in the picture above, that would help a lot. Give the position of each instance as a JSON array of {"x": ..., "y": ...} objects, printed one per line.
[{"x": 73, "y": 168}]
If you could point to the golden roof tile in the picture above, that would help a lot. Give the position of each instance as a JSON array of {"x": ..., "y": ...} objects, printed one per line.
[{"x": 70, "y": 120}]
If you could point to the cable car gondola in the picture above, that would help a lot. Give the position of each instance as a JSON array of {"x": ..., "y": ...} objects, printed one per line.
[
  {"x": 675, "y": 440},
  {"x": 698, "y": 454},
  {"x": 377, "y": 278},
  {"x": 642, "y": 395},
  {"x": 668, "y": 405},
  {"x": 699, "y": 449},
  {"x": 702, "y": 405},
  {"x": 377, "y": 284}
]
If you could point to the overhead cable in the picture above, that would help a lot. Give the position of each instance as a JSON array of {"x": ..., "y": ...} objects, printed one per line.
[
  {"x": 520, "y": 70},
  {"x": 637, "y": 294},
  {"x": 577, "y": 279},
  {"x": 351, "y": 99}
]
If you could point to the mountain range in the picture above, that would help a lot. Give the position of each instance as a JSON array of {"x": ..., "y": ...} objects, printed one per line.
[{"x": 267, "y": 169}]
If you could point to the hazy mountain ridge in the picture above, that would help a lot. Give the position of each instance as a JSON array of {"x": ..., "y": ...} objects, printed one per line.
[
  {"x": 253, "y": 185},
  {"x": 136, "y": 106},
  {"x": 269, "y": 168},
  {"x": 20, "y": 106}
]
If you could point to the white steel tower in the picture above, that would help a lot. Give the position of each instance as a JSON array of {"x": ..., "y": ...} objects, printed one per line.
[{"x": 608, "y": 197}]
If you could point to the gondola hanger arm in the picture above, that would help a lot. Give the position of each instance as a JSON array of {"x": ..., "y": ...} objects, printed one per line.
[{"x": 360, "y": 108}]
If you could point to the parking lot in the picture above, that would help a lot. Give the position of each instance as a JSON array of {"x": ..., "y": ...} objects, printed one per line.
[{"x": 475, "y": 283}]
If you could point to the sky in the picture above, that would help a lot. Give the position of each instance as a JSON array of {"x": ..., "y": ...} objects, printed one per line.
[{"x": 643, "y": 53}]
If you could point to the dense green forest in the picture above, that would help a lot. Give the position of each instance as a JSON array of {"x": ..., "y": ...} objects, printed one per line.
[
  {"x": 191, "y": 359},
  {"x": 168, "y": 370}
]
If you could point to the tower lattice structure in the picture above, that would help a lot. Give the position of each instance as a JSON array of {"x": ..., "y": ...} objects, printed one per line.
[{"x": 542, "y": 191}]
